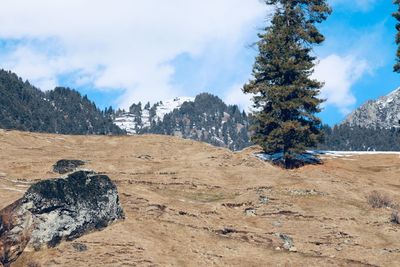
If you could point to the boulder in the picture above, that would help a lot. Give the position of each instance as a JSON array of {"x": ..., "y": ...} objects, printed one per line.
[
  {"x": 55, "y": 210},
  {"x": 67, "y": 165}
]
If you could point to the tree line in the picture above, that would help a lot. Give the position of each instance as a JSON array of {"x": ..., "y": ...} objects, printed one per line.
[{"x": 62, "y": 110}]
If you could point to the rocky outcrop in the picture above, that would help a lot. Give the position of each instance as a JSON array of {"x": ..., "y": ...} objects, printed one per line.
[
  {"x": 55, "y": 210},
  {"x": 381, "y": 113},
  {"x": 67, "y": 165}
]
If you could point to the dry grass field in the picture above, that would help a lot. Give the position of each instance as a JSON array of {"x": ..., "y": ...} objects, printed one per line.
[{"x": 191, "y": 204}]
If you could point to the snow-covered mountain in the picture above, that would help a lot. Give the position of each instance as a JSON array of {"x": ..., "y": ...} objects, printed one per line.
[
  {"x": 168, "y": 106},
  {"x": 135, "y": 120},
  {"x": 381, "y": 113},
  {"x": 205, "y": 118}
]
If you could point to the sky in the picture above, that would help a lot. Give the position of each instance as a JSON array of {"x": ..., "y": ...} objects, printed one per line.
[{"x": 124, "y": 51}]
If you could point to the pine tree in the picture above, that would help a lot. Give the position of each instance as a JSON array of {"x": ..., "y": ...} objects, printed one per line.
[
  {"x": 396, "y": 15},
  {"x": 285, "y": 97}
]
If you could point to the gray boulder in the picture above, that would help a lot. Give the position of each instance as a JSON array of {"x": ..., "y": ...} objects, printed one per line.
[{"x": 55, "y": 210}]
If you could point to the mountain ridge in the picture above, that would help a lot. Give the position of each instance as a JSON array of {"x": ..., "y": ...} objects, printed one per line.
[
  {"x": 383, "y": 112},
  {"x": 373, "y": 126},
  {"x": 62, "y": 110},
  {"x": 130, "y": 121},
  {"x": 204, "y": 118}
]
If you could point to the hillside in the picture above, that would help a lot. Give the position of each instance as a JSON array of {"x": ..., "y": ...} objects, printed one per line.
[
  {"x": 191, "y": 204},
  {"x": 203, "y": 118},
  {"x": 62, "y": 110}
]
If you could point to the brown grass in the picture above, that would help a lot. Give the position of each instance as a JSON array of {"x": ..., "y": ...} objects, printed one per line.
[
  {"x": 175, "y": 212},
  {"x": 379, "y": 200},
  {"x": 33, "y": 264}
]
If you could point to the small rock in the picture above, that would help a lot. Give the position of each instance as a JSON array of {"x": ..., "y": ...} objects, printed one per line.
[
  {"x": 250, "y": 212},
  {"x": 293, "y": 249},
  {"x": 66, "y": 165},
  {"x": 287, "y": 240},
  {"x": 276, "y": 224},
  {"x": 79, "y": 247},
  {"x": 226, "y": 231},
  {"x": 264, "y": 200},
  {"x": 145, "y": 157}
]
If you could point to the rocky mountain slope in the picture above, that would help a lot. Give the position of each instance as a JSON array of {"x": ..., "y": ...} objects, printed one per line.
[
  {"x": 191, "y": 204},
  {"x": 137, "y": 119},
  {"x": 204, "y": 118},
  {"x": 381, "y": 113},
  {"x": 62, "y": 110}
]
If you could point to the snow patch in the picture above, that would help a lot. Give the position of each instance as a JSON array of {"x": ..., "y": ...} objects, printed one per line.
[
  {"x": 169, "y": 105},
  {"x": 352, "y": 153}
]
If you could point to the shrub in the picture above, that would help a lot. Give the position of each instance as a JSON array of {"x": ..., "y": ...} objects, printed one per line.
[{"x": 378, "y": 200}]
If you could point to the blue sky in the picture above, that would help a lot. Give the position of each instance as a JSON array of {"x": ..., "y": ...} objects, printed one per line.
[
  {"x": 367, "y": 32},
  {"x": 126, "y": 51}
]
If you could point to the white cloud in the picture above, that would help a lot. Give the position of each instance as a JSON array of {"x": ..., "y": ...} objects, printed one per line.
[
  {"x": 120, "y": 44},
  {"x": 235, "y": 96},
  {"x": 339, "y": 75},
  {"x": 129, "y": 44},
  {"x": 40, "y": 68}
]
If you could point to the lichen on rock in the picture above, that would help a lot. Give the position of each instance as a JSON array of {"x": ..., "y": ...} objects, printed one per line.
[{"x": 55, "y": 210}]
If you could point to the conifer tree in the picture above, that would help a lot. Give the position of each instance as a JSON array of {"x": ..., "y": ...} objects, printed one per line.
[
  {"x": 285, "y": 97},
  {"x": 396, "y": 15}
]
